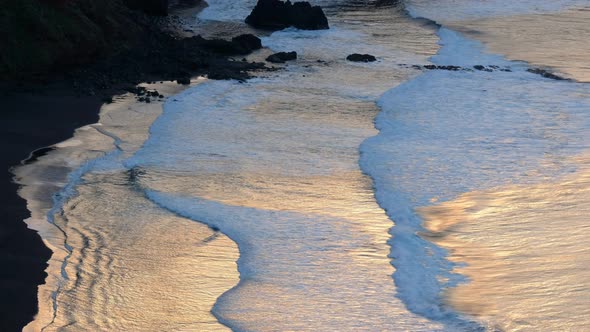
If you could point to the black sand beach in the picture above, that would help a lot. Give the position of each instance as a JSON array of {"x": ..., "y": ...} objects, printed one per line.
[
  {"x": 45, "y": 108},
  {"x": 29, "y": 122}
]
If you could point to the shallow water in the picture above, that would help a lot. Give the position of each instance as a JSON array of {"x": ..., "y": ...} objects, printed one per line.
[
  {"x": 115, "y": 267},
  {"x": 515, "y": 250},
  {"x": 276, "y": 169},
  {"x": 525, "y": 252},
  {"x": 553, "y": 40}
]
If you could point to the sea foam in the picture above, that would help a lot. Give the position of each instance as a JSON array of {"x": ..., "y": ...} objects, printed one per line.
[{"x": 448, "y": 132}]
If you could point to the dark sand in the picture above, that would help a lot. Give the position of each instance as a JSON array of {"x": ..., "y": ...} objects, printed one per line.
[{"x": 29, "y": 122}]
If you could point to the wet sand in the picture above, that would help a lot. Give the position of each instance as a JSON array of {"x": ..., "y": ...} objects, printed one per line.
[{"x": 29, "y": 122}]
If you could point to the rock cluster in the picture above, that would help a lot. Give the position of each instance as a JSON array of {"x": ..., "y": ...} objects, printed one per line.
[
  {"x": 277, "y": 15},
  {"x": 489, "y": 68},
  {"x": 144, "y": 95},
  {"x": 545, "y": 74}
]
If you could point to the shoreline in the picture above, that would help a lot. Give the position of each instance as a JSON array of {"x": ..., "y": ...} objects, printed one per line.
[
  {"x": 37, "y": 117},
  {"x": 29, "y": 122},
  {"x": 49, "y": 174}
]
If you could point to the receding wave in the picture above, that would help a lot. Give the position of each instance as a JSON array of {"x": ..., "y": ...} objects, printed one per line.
[{"x": 447, "y": 132}]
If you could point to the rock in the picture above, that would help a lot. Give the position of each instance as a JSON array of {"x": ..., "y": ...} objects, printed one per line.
[
  {"x": 219, "y": 46},
  {"x": 242, "y": 44},
  {"x": 248, "y": 41},
  {"x": 150, "y": 7},
  {"x": 545, "y": 74},
  {"x": 443, "y": 67},
  {"x": 183, "y": 80},
  {"x": 277, "y": 15},
  {"x": 281, "y": 57},
  {"x": 449, "y": 67},
  {"x": 356, "y": 57},
  {"x": 482, "y": 68}
]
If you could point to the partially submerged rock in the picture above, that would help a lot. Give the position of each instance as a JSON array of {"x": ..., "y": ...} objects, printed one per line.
[
  {"x": 451, "y": 68},
  {"x": 489, "y": 68},
  {"x": 248, "y": 42},
  {"x": 277, "y": 15},
  {"x": 281, "y": 57},
  {"x": 483, "y": 68},
  {"x": 356, "y": 57},
  {"x": 545, "y": 74}
]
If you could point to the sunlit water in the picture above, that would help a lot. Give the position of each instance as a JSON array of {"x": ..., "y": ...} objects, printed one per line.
[
  {"x": 517, "y": 250},
  {"x": 462, "y": 211},
  {"x": 526, "y": 249},
  {"x": 120, "y": 263}
]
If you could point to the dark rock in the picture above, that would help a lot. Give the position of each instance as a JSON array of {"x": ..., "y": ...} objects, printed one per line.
[
  {"x": 243, "y": 44},
  {"x": 545, "y": 74},
  {"x": 479, "y": 67},
  {"x": 361, "y": 58},
  {"x": 220, "y": 46},
  {"x": 248, "y": 41},
  {"x": 281, "y": 57},
  {"x": 278, "y": 15},
  {"x": 451, "y": 68},
  {"x": 150, "y": 7},
  {"x": 183, "y": 80},
  {"x": 482, "y": 68}
]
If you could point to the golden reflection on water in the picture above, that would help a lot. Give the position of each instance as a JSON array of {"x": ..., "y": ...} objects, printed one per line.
[
  {"x": 556, "y": 40},
  {"x": 526, "y": 251},
  {"x": 322, "y": 263},
  {"x": 346, "y": 195},
  {"x": 137, "y": 267},
  {"x": 133, "y": 266}
]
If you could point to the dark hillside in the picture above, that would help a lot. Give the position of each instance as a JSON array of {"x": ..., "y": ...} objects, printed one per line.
[{"x": 38, "y": 36}]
